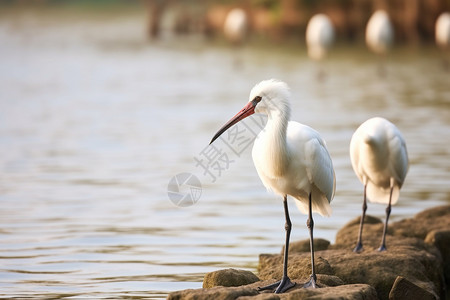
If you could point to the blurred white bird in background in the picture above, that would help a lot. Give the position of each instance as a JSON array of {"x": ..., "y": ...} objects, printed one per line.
[
  {"x": 291, "y": 159},
  {"x": 380, "y": 35},
  {"x": 380, "y": 160},
  {"x": 442, "y": 35},
  {"x": 442, "y": 30},
  {"x": 319, "y": 38},
  {"x": 236, "y": 26}
]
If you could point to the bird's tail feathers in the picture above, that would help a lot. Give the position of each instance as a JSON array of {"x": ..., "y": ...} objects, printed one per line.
[
  {"x": 320, "y": 204},
  {"x": 381, "y": 195}
]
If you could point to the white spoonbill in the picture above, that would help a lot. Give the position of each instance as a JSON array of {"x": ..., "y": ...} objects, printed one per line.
[
  {"x": 379, "y": 32},
  {"x": 442, "y": 31},
  {"x": 291, "y": 159},
  {"x": 319, "y": 36},
  {"x": 236, "y": 26},
  {"x": 380, "y": 160}
]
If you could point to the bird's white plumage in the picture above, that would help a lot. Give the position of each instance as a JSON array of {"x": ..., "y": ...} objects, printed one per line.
[
  {"x": 319, "y": 36},
  {"x": 442, "y": 30},
  {"x": 379, "y": 32},
  {"x": 379, "y": 158},
  {"x": 236, "y": 25},
  {"x": 291, "y": 158}
]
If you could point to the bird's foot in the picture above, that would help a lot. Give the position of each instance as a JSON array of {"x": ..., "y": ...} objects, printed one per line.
[
  {"x": 311, "y": 283},
  {"x": 382, "y": 248},
  {"x": 270, "y": 286},
  {"x": 358, "y": 248},
  {"x": 285, "y": 284},
  {"x": 281, "y": 286}
]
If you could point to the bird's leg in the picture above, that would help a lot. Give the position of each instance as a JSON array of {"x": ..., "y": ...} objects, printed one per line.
[
  {"x": 310, "y": 223},
  {"x": 388, "y": 213},
  {"x": 359, "y": 245},
  {"x": 285, "y": 283}
]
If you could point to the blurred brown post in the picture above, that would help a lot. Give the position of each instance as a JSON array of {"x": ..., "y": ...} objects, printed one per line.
[
  {"x": 155, "y": 10},
  {"x": 411, "y": 20},
  {"x": 291, "y": 17}
]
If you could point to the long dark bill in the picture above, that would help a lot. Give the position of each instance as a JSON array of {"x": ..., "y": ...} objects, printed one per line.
[{"x": 248, "y": 110}]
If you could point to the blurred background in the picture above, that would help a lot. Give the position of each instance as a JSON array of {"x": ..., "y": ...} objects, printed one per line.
[{"x": 102, "y": 103}]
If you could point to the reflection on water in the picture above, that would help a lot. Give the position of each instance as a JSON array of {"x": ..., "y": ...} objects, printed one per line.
[{"x": 94, "y": 122}]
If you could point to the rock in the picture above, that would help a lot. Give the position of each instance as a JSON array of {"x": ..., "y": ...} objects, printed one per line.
[
  {"x": 329, "y": 280},
  {"x": 260, "y": 297},
  {"x": 215, "y": 293},
  {"x": 407, "y": 257},
  {"x": 441, "y": 240},
  {"x": 437, "y": 218},
  {"x": 416, "y": 263},
  {"x": 409, "y": 231},
  {"x": 434, "y": 213},
  {"x": 299, "y": 266},
  {"x": 303, "y": 246},
  {"x": 404, "y": 289},
  {"x": 250, "y": 292},
  {"x": 347, "y": 236},
  {"x": 323, "y": 280},
  {"x": 380, "y": 269},
  {"x": 229, "y": 277},
  {"x": 342, "y": 292}
]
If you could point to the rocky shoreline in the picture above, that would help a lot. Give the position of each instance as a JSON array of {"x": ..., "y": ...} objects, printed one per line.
[{"x": 415, "y": 266}]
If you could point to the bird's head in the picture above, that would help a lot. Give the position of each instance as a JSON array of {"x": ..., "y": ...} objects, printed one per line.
[
  {"x": 274, "y": 95},
  {"x": 269, "y": 97}
]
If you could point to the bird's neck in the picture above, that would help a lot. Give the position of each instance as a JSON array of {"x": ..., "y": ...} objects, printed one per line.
[{"x": 277, "y": 150}]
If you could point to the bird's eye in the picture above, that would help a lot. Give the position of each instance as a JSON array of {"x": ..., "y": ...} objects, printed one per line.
[{"x": 257, "y": 99}]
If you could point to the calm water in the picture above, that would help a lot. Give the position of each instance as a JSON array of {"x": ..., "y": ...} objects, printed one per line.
[{"x": 95, "y": 121}]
